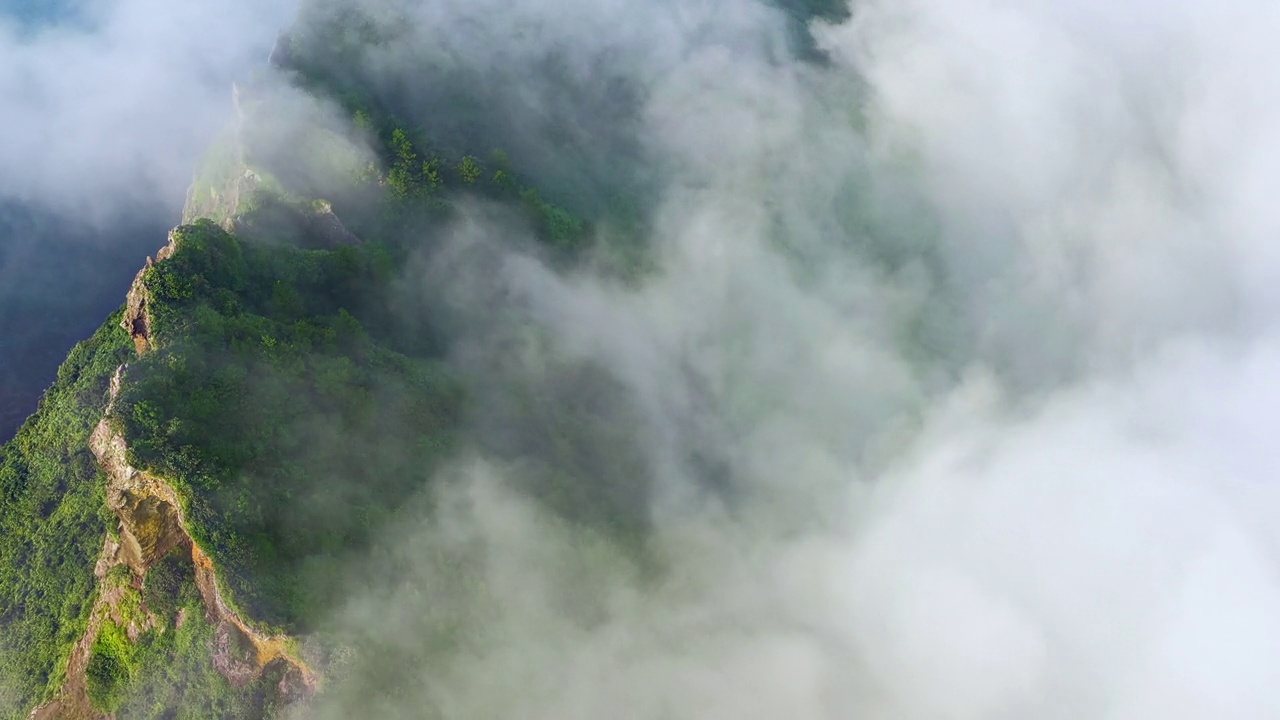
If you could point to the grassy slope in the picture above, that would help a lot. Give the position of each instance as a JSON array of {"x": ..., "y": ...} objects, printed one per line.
[{"x": 52, "y": 521}]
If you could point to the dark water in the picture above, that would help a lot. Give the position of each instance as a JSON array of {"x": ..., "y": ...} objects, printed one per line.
[{"x": 58, "y": 281}]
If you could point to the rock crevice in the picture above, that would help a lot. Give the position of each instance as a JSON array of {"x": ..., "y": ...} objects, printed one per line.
[{"x": 137, "y": 318}]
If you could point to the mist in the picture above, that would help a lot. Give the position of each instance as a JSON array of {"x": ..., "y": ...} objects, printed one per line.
[
  {"x": 107, "y": 108},
  {"x": 950, "y": 395}
]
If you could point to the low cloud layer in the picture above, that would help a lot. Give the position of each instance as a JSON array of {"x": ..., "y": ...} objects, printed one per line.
[
  {"x": 108, "y": 107},
  {"x": 973, "y": 319}
]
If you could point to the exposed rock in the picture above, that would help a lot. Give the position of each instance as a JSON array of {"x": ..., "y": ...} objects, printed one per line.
[
  {"x": 294, "y": 685},
  {"x": 137, "y": 319},
  {"x": 108, "y": 558},
  {"x": 150, "y": 515},
  {"x": 328, "y": 229},
  {"x": 152, "y": 524},
  {"x": 167, "y": 251},
  {"x": 234, "y": 655},
  {"x": 262, "y": 650}
]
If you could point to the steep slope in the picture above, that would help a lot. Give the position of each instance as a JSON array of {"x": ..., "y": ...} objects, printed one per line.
[
  {"x": 124, "y": 641},
  {"x": 176, "y": 517},
  {"x": 53, "y": 517},
  {"x": 191, "y": 442}
]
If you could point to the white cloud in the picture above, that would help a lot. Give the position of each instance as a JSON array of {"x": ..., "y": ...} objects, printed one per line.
[{"x": 109, "y": 111}]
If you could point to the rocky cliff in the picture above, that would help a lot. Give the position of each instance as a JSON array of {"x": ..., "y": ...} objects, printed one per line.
[{"x": 151, "y": 525}]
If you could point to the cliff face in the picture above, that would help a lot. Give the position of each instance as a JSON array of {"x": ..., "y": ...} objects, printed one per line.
[
  {"x": 151, "y": 525},
  {"x": 275, "y": 407},
  {"x": 137, "y": 320}
]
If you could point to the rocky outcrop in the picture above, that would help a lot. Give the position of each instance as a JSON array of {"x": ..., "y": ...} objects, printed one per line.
[
  {"x": 260, "y": 652},
  {"x": 292, "y": 223},
  {"x": 137, "y": 318},
  {"x": 328, "y": 229},
  {"x": 137, "y": 321},
  {"x": 151, "y": 524},
  {"x": 150, "y": 514}
]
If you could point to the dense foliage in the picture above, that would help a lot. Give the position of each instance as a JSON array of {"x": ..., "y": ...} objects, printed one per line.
[
  {"x": 52, "y": 521},
  {"x": 418, "y": 180},
  {"x": 289, "y": 403},
  {"x": 173, "y": 670},
  {"x": 111, "y": 667},
  {"x": 279, "y": 405}
]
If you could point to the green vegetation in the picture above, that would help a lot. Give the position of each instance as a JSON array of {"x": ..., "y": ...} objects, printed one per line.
[
  {"x": 283, "y": 407},
  {"x": 111, "y": 667},
  {"x": 176, "y": 679},
  {"x": 172, "y": 665},
  {"x": 170, "y": 587},
  {"x": 291, "y": 414},
  {"x": 293, "y": 408},
  {"x": 52, "y": 520},
  {"x": 556, "y": 226},
  {"x": 289, "y": 404},
  {"x": 443, "y": 139},
  {"x": 420, "y": 183},
  {"x": 168, "y": 671}
]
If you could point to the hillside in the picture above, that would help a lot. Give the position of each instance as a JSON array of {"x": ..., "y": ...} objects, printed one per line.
[
  {"x": 290, "y": 373},
  {"x": 175, "y": 511}
]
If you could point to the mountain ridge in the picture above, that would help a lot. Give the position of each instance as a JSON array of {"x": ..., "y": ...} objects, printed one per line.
[{"x": 149, "y": 516}]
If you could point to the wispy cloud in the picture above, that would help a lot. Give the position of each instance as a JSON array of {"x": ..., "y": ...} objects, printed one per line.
[
  {"x": 974, "y": 320},
  {"x": 107, "y": 109}
]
